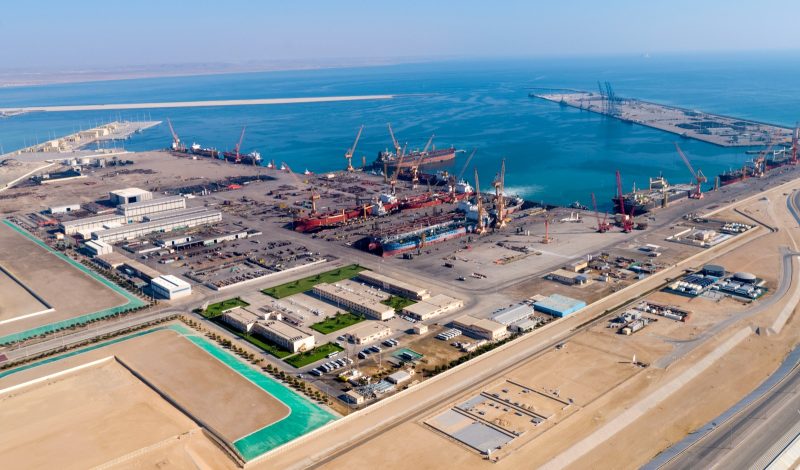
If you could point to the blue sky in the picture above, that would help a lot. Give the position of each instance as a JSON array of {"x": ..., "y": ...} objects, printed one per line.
[{"x": 112, "y": 33}]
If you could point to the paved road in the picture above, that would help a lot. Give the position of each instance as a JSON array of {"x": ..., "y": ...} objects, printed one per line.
[{"x": 744, "y": 440}]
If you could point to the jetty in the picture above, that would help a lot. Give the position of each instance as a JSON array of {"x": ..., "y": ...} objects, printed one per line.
[{"x": 716, "y": 129}]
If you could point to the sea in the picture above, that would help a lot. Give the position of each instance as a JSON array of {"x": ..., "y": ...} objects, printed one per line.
[{"x": 553, "y": 153}]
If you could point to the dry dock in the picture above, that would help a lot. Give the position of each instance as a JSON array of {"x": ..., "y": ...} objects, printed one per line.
[
  {"x": 193, "y": 104},
  {"x": 715, "y": 129}
]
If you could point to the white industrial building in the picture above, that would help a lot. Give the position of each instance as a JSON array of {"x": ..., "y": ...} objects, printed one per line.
[
  {"x": 135, "y": 211},
  {"x": 90, "y": 224},
  {"x": 64, "y": 209},
  {"x": 241, "y": 319},
  {"x": 285, "y": 335},
  {"x": 129, "y": 195},
  {"x": 368, "y": 332},
  {"x": 133, "y": 231},
  {"x": 170, "y": 287},
  {"x": 98, "y": 248},
  {"x": 394, "y": 286},
  {"x": 514, "y": 314},
  {"x": 432, "y": 307},
  {"x": 480, "y": 327}
]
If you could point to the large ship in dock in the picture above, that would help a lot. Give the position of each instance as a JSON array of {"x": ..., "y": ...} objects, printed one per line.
[
  {"x": 659, "y": 194},
  {"x": 252, "y": 158},
  {"x": 420, "y": 233},
  {"x": 416, "y": 158},
  {"x": 197, "y": 149}
]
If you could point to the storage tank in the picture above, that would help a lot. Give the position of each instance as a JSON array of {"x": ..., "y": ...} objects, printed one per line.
[{"x": 745, "y": 277}]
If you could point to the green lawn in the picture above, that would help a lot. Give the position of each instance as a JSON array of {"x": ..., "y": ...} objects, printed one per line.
[
  {"x": 215, "y": 310},
  {"x": 308, "y": 357},
  {"x": 259, "y": 342},
  {"x": 336, "y": 322},
  {"x": 302, "y": 285},
  {"x": 398, "y": 303}
]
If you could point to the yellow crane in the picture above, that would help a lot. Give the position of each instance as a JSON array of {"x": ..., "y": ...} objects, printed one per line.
[
  {"x": 499, "y": 198},
  {"x": 352, "y": 150}
]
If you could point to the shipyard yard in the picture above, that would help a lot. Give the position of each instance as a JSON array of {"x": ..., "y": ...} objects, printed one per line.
[{"x": 257, "y": 316}]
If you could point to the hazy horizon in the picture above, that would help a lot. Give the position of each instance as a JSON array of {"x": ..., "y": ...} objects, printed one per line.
[{"x": 57, "y": 36}]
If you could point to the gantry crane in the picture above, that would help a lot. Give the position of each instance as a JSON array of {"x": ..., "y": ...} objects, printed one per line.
[
  {"x": 479, "y": 227},
  {"x": 352, "y": 150},
  {"x": 699, "y": 177},
  {"x": 176, "y": 141},
  {"x": 499, "y": 198},
  {"x": 313, "y": 196},
  {"x": 602, "y": 226}
]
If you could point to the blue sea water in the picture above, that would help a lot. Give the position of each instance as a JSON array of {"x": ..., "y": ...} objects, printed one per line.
[{"x": 553, "y": 153}]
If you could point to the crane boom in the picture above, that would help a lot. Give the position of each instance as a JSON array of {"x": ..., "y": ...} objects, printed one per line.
[
  {"x": 176, "y": 142},
  {"x": 352, "y": 150},
  {"x": 428, "y": 145},
  {"x": 469, "y": 159},
  {"x": 686, "y": 161},
  {"x": 239, "y": 144},
  {"x": 394, "y": 141}
]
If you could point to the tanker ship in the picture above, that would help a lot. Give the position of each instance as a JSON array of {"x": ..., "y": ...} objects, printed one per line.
[
  {"x": 197, "y": 149},
  {"x": 252, "y": 158},
  {"x": 659, "y": 194},
  {"x": 421, "y": 233},
  {"x": 414, "y": 159}
]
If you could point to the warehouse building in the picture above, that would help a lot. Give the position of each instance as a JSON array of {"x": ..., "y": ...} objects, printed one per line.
[
  {"x": 132, "y": 231},
  {"x": 241, "y": 319},
  {"x": 170, "y": 287},
  {"x": 394, "y": 286},
  {"x": 568, "y": 277},
  {"x": 513, "y": 314},
  {"x": 285, "y": 335},
  {"x": 135, "y": 211},
  {"x": 65, "y": 209},
  {"x": 400, "y": 377},
  {"x": 354, "y": 300},
  {"x": 480, "y": 328},
  {"x": 87, "y": 225},
  {"x": 577, "y": 266},
  {"x": 432, "y": 307},
  {"x": 129, "y": 195},
  {"x": 368, "y": 332},
  {"x": 97, "y": 248},
  {"x": 558, "y": 305}
]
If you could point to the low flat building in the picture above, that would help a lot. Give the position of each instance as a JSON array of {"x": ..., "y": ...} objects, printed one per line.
[
  {"x": 133, "y": 231},
  {"x": 577, "y": 266},
  {"x": 352, "y": 397},
  {"x": 395, "y": 286},
  {"x": 432, "y": 307},
  {"x": 285, "y": 335},
  {"x": 353, "y": 300},
  {"x": 513, "y": 314},
  {"x": 399, "y": 377},
  {"x": 241, "y": 319},
  {"x": 112, "y": 260},
  {"x": 480, "y": 328},
  {"x": 170, "y": 287},
  {"x": 569, "y": 278},
  {"x": 65, "y": 209},
  {"x": 559, "y": 305},
  {"x": 420, "y": 329},
  {"x": 97, "y": 248},
  {"x": 89, "y": 224},
  {"x": 368, "y": 332}
]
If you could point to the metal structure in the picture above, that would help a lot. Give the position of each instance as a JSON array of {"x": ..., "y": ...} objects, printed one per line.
[
  {"x": 626, "y": 222},
  {"x": 479, "y": 227},
  {"x": 699, "y": 177},
  {"x": 795, "y": 138},
  {"x": 176, "y": 141},
  {"x": 499, "y": 201},
  {"x": 602, "y": 226},
  {"x": 352, "y": 150},
  {"x": 313, "y": 197}
]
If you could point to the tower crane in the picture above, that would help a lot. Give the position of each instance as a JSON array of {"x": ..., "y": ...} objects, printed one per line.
[
  {"x": 314, "y": 196},
  {"x": 699, "y": 177},
  {"x": 499, "y": 198},
  {"x": 352, "y": 150},
  {"x": 480, "y": 229},
  {"x": 176, "y": 141}
]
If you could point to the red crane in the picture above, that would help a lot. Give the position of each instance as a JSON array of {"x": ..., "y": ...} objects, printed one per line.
[
  {"x": 627, "y": 222},
  {"x": 699, "y": 177},
  {"x": 602, "y": 226}
]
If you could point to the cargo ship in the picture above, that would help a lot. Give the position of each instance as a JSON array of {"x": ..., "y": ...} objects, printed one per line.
[
  {"x": 424, "y": 232},
  {"x": 414, "y": 159},
  {"x": 197, "y": 149},
  {"x": 659, "y": 194},
  {"x": 252, "y": 158}
]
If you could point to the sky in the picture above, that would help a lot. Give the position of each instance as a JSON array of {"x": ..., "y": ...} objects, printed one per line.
[{"x": 88, "y": 33}]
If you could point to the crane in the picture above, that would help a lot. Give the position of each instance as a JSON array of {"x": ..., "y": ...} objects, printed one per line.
[
  {"x": 394, "y": 142},
  {"x": 454, "y": 182},
  {"x": 393, "y": 182},
  {"x": 176, "y": 141},
  {"x": 239, "y": 146},
  {"x": 699, "y": 177},
  {"x": 603, "y": 226},
  {"x": 760, "y": 163},
  {"x": 349, "y": 154},
  {"x": 428, "y": 145},
  {"x": 627, "y": 223},
  {"x": 795, "y": 137},
  {"x": 479, "y": 228},
  {"x": 499, "y": 199},
  {"x": 314, "y": 196}
]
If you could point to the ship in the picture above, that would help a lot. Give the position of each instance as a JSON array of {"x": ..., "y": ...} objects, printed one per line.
[
  {"x": 778, "y": 158},
  {"x": 197, "y": 149},
  {"x": 659, "y": 194},
  {"x": 252, "y": 158},
  {"x": 423, "y": 232},
  {"x": 414, "y": 159}
]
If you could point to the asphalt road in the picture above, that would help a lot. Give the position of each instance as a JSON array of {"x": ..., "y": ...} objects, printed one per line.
[{"x": 743, "y": 440}]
